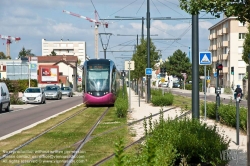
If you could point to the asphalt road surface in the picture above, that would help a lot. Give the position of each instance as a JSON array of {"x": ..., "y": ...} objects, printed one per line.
[
  {"x": 210, "y": 97},
  {"x": 19, "y": 118}
]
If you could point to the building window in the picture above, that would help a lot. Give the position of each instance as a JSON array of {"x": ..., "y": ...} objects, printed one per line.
[
  {"x": 63, "y": 45},
  {"x": 242, "y": 35},
  {"x": 240, "y": 49},
  {"x": 80, "y": 45},
  {"x": 70, "y": 45},
  {"x": 45, "y": 45},
  {"x": 241, "y": 76},
  {"x": 56, "y": 45}
]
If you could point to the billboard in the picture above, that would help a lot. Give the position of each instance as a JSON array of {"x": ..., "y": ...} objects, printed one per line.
[{"x": 49, "y": 74}]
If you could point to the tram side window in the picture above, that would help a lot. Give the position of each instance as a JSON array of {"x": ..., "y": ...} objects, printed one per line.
[{"x": 83, "y": 81}]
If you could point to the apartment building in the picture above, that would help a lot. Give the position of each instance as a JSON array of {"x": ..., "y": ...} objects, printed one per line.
[
  {"x": 226, "y": 45},
  {"x": 76, "y": 48}
]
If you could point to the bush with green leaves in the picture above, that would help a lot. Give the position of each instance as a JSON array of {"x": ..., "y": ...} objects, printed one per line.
[
  {"x": 227, "y": 114},
  {"x": 19, "y": 85},
  {"x": 163, "y": 100},
  {"x": 172, "y": 140},
  {"x": 121, "y": 103},
  {"x": 14, "y": 99}
]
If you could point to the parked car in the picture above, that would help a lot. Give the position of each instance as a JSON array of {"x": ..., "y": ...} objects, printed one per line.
[
  {"x": 53, "y": 92},
  {"x": 34, "y": 95},
  {"x": 176, "y": 85},
  {"x": 164, "y": 85},
  {"x": 67, "y": 91},
  {"x": 4, "y": 97}
]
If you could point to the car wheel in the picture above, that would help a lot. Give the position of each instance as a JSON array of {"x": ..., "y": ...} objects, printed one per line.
[
  {"x": 8, "y": 108},
  {"x": 61, "y": 97},
  {"x": 44, "y": 102},
  {"x": 1, "y": 107}
]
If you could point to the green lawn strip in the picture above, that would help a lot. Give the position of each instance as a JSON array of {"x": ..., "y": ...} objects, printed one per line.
[
  {"x": 104, "y": 145},
  {"x": 61, "y": 138},
  {"x": 100, "y": 147},
  {"x": 18, "y": 139},
  {"x": 182, "y": 102}
]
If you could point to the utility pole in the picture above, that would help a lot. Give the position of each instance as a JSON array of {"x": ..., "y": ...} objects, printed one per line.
[
  {"x": 148, "y": 52},
  {"x": 195, "y": 68},
  {"x": 105, "y": 46},
  {"x": 248, "y": 114}
]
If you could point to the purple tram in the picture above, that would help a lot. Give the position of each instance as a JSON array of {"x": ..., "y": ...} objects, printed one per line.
[{"x": 99, "y": 82}]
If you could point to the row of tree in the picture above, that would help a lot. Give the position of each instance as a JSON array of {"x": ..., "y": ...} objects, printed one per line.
[{"x": 24, "y": 52}]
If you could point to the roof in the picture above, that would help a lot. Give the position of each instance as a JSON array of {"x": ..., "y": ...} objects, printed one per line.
[
  {"x": 68, "y": 58},
  {"x": 222, "y": 21},
  {"x": 65, "y": 62}
]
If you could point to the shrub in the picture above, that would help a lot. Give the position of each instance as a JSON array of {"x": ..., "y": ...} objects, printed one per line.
[
  {"x": 228, "y": 90},
  {"x": 14, "y": 99},
  {"x": 121, "y": 103},
  {"x": 210, "y": 109},
  {"x": 173, "y": 140},
  {"x": 163, "y": 100},
  {"x": 228, "y": 113}
]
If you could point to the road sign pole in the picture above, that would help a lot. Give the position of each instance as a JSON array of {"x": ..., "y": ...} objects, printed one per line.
[
  {"x": 237, "y": 121},
  {"x": 205, "y": 90},
  {"x": 129, "y": 87}
]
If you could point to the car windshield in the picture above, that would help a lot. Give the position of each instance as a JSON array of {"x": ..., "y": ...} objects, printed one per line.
[
  {"x": 32, "y": 90},
  {"x": 52, "y": 88},
  {"x": 65, "y": 88}
]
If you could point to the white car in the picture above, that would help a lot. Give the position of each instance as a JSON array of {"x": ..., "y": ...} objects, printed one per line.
[{"x": 34, "y": 95}]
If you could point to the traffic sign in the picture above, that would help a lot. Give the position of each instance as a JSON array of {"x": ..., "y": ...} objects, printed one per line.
[
  {"x": 162, "y": 80},
  {"x": 205, "y": 58},
  {"x": 148, "y": 71},
  {"x": 208, "y": 77},
  {"x": 215, "y": 75}
]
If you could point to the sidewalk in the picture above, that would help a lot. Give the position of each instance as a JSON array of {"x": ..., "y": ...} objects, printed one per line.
[{"x": 140, "y": 110}]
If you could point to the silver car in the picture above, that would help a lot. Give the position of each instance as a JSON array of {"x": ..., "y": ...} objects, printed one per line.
[
  {"x": 53, "y": 92},
  {"x": 34, "y": 95},
  {"x": 67, "y": 91}
]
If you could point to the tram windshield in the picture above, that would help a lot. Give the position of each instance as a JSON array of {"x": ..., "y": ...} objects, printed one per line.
[{"x": 98, "y": 80}]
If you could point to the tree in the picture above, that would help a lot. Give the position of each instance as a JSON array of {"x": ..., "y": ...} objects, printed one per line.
[
  {"x": 2, "y": 56},
  {"x": 246, "y": 46},
  {"x": 79, "y": 62},
  {"x": 140, "y": 58},
  {"x": 53, "y": 53},
  {"x": 24, "y": 53},
  {"x": 178, "y": 63},
  {"x": 238, "y": 8}
]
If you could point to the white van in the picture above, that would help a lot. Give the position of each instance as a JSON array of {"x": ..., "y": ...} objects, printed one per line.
[{"x": 4, "y": 97}]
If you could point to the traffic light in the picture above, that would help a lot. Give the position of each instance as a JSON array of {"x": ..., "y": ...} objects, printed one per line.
[
  {"x": 232, "y": 70},
  {"x": 219, "y": 67}
]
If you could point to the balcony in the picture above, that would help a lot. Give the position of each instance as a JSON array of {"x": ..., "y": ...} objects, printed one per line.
[
  {"x": 210, "y": 48},
  {"x": 214, "y": 35},
  {"x": 225, "y": 43},
  {"x": 214, "y": 59},
  {"x": 225, "y": 69},
  {"x": 219, "y": 32},
  {"x": 224, "y": 56},
  {"x": 225, "y": 30},
  {"x": 214, "y": 47},
  {"x": 210, "y": 37}
]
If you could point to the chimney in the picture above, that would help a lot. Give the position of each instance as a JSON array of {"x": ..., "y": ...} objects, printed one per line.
[{"x": 64, "y": 57}]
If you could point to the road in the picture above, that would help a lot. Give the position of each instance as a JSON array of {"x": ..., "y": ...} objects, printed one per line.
[
  {"x": 209, "y": 97},
  {"x": 19, "y": 118}
]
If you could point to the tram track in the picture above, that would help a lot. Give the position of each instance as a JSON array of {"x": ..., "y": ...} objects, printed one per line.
[
  {"x": 8, "y": 153},
  {"x": 85, "y": 140}
]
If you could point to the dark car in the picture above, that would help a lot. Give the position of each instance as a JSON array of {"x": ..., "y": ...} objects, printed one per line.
[
  {"x": 53, "y": 92},
  {"x": 67, "y": 91},
  {"x": 176, "y": 85}
]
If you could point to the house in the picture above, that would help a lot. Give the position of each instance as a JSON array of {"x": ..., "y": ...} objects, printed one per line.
[
  {"x": 67, "y": 68},
  {"x": 226, "y": 45}
]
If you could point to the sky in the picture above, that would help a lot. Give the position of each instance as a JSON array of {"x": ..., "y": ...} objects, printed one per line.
[{"x": 33, "y": 20}]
